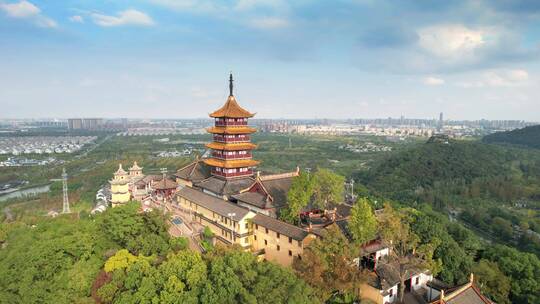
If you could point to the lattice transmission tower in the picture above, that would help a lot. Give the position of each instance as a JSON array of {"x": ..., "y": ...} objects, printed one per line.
[{"x": 65, "y": 205}]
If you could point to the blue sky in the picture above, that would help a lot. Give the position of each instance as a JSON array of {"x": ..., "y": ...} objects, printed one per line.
[{"x": 291, "y": 59}]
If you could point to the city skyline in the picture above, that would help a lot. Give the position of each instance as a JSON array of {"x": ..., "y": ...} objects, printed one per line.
[{"x": 471, "y": 60}]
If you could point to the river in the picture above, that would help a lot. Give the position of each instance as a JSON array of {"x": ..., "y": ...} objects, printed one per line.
[{"x": 25, "y": 192}]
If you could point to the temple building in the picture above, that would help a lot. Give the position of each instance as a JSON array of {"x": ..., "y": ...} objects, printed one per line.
[
  {"x": 267, "y": 194},
  {"x": 120, "y": 187}
]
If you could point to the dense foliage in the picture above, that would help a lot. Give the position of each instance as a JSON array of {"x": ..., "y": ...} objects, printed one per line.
[
  {"x": 362, "y": 222},
  {"x": 124, "y": 256},
  {"x": 528, "y": 137},
  {"x": 494, "y": 190},
  {"x": 224, "y": 276},
  {"x": 321, "y": 190},
  {"x": 325, "y": 265}
]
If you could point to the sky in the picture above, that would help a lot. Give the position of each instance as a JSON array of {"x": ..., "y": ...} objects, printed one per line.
[{"x": 474, "y": 59}]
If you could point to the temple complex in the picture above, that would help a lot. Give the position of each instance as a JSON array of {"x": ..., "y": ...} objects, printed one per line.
[{"x": 241, "y": 207}]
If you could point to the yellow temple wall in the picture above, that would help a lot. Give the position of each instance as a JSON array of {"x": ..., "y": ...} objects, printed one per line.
[{"x": 220, "y": 225}]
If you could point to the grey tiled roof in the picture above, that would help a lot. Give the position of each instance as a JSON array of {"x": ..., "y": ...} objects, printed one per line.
[
  {"x": 213, "y": 203},
  {"x": 194, "y": 172},
  {"x": 253, "y": 198},
  {"x": 471, "y": 295},
  {"x": 286, "y": 229},
  {"x": 222, "y": 186},
  {"x": 278, "y": 189}
]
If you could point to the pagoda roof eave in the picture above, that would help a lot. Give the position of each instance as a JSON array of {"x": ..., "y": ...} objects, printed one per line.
[{"x": 231, "y": 130}]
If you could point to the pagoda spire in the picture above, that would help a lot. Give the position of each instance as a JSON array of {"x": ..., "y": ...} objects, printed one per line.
[{"x": 230, "y": 84}]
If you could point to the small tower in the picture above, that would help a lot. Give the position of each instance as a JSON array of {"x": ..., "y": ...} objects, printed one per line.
[
  {"x": 231, "y": 147},
  {"x": 120, "y": 187},
  {"x": 65, "y": 205},
  {"x": 135, "y": 170}
]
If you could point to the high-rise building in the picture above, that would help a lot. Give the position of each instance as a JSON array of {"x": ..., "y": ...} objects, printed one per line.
[
  {"x": 85, "y": 123},
  {"x": 231, "y": 148}
]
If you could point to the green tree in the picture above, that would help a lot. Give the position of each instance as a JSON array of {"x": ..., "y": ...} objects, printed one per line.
[
  {"x": 120, "y": 260},
  {"x": 362, "y": 222},
  {"x": 298, "y": 197},
  {"x": 327, "y": 266},
  {"x": 523, "y": 270},
  {"x": 492, "y": 281},
  {"x": 406, "y": 251},
  {"x": 328, "y": 188}
]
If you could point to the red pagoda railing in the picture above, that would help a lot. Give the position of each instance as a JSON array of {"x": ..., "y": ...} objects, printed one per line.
[
  {"x": 236, "y": 174},
  {"x": 235, "y": 156},
  {"x": 237, "y": 138},
  {"x": 230, "y": 122}
]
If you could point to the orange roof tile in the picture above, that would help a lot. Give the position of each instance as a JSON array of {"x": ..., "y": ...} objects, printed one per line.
[
  {"x": 231, "y": 109},
  {"x": 231, "y": 130},
  {"x": 231, "y": 146},
  {"x": 237, "y": 163}
]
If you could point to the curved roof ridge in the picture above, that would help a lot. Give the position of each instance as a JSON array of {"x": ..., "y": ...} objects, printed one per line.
[{"x": 232, "y": 109}]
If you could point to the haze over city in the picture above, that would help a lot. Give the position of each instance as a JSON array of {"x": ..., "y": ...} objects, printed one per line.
[{"x": 300, "y": 59}]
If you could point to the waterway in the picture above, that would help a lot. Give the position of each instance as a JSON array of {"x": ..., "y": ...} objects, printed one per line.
[{"x": 25, "y": 192}]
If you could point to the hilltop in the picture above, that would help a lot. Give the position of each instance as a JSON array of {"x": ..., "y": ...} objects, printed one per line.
[
  {"x": 407, "y": 173},
  {"x": 527, "y": 137}
]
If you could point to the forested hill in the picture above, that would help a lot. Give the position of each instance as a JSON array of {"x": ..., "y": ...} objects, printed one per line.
[
  {"x": 528, "y": 137},
  {"x": 439, "y": 171}
]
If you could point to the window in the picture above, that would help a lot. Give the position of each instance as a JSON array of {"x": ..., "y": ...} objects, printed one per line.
[
  {"x": 277, "y": 247},
  {"x": 266, "y": 229},
  {"x": 290, "y": 240},
  {"x": 255, "y": 237},
  {"x": 417, "y": 280},
  {"x": 299, "y": 243},
  {"x": 290, "y": 253},
  {"x": 265, "y": 242},
  {"x": 391, "y": 292},
  {"x": 277, "y": 233},
  {"x": 256, "y": 226},
  {"x": 247, "y": 226}
]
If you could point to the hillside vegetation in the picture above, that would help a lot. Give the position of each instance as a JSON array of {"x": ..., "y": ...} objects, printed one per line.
[
  {"x": 527, "y": 137},
  {"x": 496, "y": 189}
]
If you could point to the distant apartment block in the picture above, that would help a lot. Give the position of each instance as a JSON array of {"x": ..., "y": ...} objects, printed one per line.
[{"x": 85, "y": 123}]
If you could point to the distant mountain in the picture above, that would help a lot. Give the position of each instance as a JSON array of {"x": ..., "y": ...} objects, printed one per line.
[{"x": 528, "y": 137}]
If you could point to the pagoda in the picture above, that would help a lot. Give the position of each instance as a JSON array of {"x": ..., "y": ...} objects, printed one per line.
[
  {"x": 231, "y": 148},
  {"x": 120, "y": 187}
]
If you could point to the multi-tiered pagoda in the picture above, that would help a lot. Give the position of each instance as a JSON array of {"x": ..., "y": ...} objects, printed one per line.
[{"x": 231, "y": 148}]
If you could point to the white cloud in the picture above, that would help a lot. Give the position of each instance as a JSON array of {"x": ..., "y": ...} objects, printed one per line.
[
  {"x": 127, "y": 17},
  {"x": 76, "y": 18},
  {"x": 21, "y": 9},
  {"x": 269, "y": 23},
  {"x": 498, "y": 78},
  {"x": 27, "y": 10},
  {"x": 433, "y": 81},
  {"x": 451, "y": 40}
]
